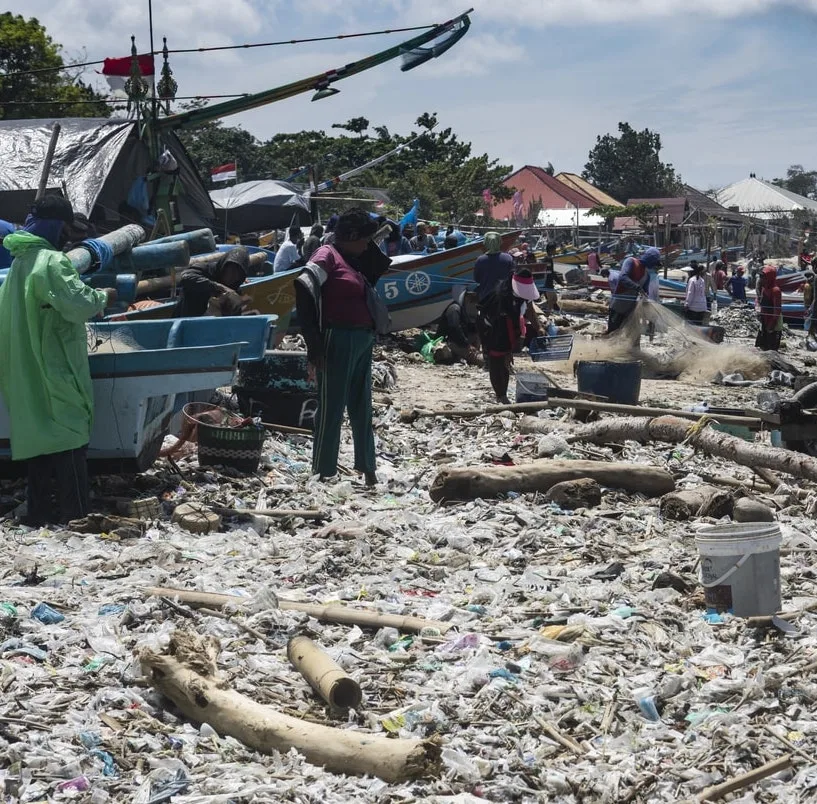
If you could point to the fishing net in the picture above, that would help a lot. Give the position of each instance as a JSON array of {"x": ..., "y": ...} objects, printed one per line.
[
  {"x": 102, "y": 340},
  {"x": 681, "y": 351}
]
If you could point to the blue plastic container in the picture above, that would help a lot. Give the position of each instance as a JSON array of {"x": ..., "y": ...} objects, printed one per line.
[{"x": 618, "y": 382}]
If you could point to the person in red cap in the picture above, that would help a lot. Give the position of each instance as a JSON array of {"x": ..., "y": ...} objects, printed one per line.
[
  {"x": 769, "y": 310},
  {"x": 504, "y": 326}
]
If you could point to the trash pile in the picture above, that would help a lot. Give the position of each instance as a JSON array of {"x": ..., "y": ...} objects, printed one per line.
[
  {"x": 569, "y": 655},
  {"x": 739, "y": 320}
]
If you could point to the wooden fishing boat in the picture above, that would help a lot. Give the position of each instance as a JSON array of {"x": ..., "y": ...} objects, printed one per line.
[{"x": 143, "y": 371}]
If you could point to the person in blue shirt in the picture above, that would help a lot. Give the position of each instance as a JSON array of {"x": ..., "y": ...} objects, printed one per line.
[
  {"x": 6, "y": 228},
  {"x": 736, "y": 285}
]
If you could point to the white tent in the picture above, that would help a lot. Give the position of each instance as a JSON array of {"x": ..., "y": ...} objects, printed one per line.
[
  {"x": 567, "y": 217},
  {"x": 762, "y": 199}
]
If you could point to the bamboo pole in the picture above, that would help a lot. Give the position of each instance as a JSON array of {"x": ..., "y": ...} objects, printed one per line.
[
  {"x": 719, "y": 791},
  {"x": 279, "y": 513},
  {"x": 409, "y": 416},
  {"x": 326, "y": 677},
  {"x": 49, "y": 158},
  {"x": 186, "y": 675},
  {"x": 342, "y": 615}
]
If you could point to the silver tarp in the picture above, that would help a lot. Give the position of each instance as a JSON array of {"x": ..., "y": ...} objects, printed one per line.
[
  {"x": 95, "y": 164},
  {"x": 255, "y": 206}
]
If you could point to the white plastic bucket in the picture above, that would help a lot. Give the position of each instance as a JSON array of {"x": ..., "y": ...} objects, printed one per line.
[{"x": 740, "y": 567}]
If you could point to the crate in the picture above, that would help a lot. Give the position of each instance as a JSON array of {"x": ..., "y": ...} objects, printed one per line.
[{"x": 551, "y": 348}]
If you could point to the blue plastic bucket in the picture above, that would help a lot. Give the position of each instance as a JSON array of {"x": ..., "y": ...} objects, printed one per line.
[{"x": 619, "y": 382}]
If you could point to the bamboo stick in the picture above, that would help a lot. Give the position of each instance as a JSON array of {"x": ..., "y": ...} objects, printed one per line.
[
  {"x": 186, "y": 675},
  {"x": 409, "y": 416},
  {"x": 719, "y": 791},
  {"x": 325, "y": 676},
  {"x": 283, "y": 428},
  {"x": 342, "y": 615},
  {"x": 280, "y": 513}
]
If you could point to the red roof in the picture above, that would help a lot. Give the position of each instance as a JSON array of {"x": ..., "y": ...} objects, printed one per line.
[{"x": 575, "y": 197}]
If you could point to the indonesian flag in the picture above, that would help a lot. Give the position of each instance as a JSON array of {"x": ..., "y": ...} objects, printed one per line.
[
  {"x": 117, "y": 71},
  {"x": 224, "y": 172}
]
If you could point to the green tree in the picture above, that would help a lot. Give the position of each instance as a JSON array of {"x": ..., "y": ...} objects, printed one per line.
[
  {"x": 800, "y": 181},
  {"x": 357, "y": 125},
  {"x": 25, "y": 46},
  {"x": 630, "y": 166}
]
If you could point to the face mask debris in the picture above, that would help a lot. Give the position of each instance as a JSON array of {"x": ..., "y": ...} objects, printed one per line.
[{"x": 569, "y": 654}]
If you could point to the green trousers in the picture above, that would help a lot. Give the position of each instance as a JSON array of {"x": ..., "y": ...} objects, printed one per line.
[{"x": 344, "y": 383}]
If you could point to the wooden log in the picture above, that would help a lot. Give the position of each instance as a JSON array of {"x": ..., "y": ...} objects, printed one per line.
[
  {"x": 280, "y": 513},
  {"x": 485, "y": 482},
  {"x": 342, "y": 615},
  {"x": 325, "y": 676},
  {"x": 256, "y": 260},
  {"x": 674, "y": 430},
  {"x": 701, "y": 501},
  {"x": 409, "y": 416},
  {"x": 719, "y": 791},
  {"x": 284, "y": 428},
  {"x": 186, "y": 675},
  {"x": 199, "y": 241},
  {"x": 583, "y": 307}
]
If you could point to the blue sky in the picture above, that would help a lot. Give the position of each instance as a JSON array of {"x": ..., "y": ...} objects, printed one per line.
[{"x": 727, "y": 83}]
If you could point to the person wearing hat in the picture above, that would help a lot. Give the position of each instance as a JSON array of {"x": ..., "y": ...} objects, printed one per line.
[
  {"x": 632, "y": 283},
  {"x": 491, "y": 267},
  {"x": 695, "y": 304},
  {"x": 503, "y": 316},
  {"x": 337, "y": 313},
  {"x": 736, "y": 285},
  {"x": 213, "y": 289},
  {"x": 44, "y": 375}
]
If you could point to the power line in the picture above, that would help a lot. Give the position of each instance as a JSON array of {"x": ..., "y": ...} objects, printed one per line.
[{"x": 245, "y": 46}]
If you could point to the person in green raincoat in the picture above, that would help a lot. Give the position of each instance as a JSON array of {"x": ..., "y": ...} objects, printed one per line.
[{"x": 44, "y": 375}]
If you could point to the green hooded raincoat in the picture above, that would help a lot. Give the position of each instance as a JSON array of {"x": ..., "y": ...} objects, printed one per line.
[{"x": 44, "y": 374}]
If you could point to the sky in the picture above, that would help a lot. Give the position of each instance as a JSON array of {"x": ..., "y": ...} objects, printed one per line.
[{"x": 726, "y": 83}]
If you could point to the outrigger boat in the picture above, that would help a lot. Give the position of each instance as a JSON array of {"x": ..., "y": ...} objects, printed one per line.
[{"x": 143, "y": 372}]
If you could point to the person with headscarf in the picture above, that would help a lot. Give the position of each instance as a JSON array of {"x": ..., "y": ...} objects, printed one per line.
[
  {"x": 44, "y": 374},
  {"x": 396, "y": 244},
  {"x": 695, "y": 302},
  {"x": 335, "y": 306},
  {"x": 212, "y": 289},
  {"x": 633, "y": 282},
  {"x": 769, "y": 310},
  {"x": 504, "y": 328},
  {"x": 459, "y": 325},
  {"x": 491, "y": 267},
  {"x": 329, "y": 234}
]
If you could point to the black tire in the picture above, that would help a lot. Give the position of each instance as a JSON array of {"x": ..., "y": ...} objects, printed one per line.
[{"x": 807, "y": 397}]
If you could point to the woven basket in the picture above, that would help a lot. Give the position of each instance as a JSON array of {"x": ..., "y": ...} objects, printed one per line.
[{"x": 221, "y": 439}]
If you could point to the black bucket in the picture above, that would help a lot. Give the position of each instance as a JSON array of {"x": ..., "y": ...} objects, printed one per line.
[
  {"x": 618, "y": 382},
  {"x": 222, "y": 441}
]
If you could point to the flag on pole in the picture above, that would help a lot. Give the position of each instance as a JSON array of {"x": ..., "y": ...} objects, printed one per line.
[
  {"x": 224, "y": 172},
  {"x": 117, "y": 71}
]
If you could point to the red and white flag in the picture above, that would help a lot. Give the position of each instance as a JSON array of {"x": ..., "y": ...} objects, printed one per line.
[
  {"x": 224, "y": 172},
  {"x": 117, "y": 71}
]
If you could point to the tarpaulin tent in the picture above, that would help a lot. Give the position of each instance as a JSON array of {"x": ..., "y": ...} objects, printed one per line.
[
  {"x": 95, "y": 163},
  {"x": 257, "y": 206}
]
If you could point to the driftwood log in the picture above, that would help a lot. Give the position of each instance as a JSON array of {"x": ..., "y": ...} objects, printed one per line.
[
  {"x": 485, "y": 482},
  {"x": 583, "y": 306},
  {"x": 701, "y": 501},
  {"x": 186, "y": 675},
  {"x": 711, "y": 442},
  {"x": 325, "y": 676},
  {"x": 744, "y": 780},
  {"x": 342, "y": 615}
]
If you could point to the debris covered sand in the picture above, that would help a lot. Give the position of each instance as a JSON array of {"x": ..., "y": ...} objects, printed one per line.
[{"x": 579, "y": 666}]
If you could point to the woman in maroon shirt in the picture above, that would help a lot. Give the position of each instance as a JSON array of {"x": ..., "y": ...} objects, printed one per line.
[{"x": 331, "y": 299}]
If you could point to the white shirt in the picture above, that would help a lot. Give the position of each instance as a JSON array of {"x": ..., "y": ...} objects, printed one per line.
[
  {"x": 696, "y": 295},
  {"x": 286, "y": 255}
]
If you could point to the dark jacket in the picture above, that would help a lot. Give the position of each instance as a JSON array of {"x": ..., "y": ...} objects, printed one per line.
[
  {"x": 199, "y": 284},
  {"x": 455, "y": 326},
  {"x": 502, "y": 312}
]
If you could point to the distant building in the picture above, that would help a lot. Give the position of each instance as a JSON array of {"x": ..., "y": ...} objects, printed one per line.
[
  {"x": 559, "y": 203},
  {"x": 576, "y": 182},
  {"x": 764, "y": 200}
]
